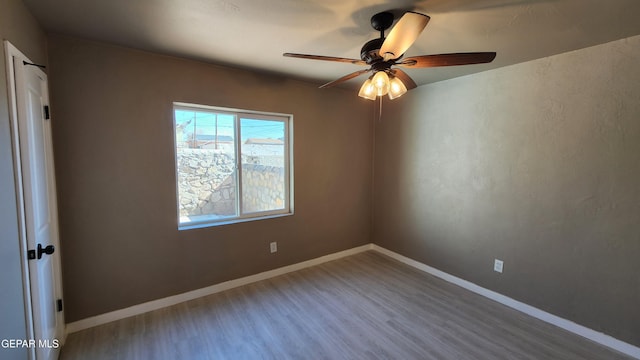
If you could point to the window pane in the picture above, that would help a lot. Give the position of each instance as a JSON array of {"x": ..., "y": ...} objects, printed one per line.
[
  {"x": 205, "y": 157},
  {"x": 231, "y": 165},
  {"x": 263, "y": 165}
]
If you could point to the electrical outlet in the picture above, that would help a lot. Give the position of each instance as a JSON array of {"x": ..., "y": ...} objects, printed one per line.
[
  {"x": 498, "y": 265},
  {"x": 273, "y": 247}
]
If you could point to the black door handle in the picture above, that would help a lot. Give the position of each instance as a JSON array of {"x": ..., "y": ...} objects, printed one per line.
[
  {"x": 31, "y": 254},
  {"x": 46, "y": 250}
]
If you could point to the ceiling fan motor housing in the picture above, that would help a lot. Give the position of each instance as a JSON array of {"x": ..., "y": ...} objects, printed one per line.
[{"x": 370, "y": 52}]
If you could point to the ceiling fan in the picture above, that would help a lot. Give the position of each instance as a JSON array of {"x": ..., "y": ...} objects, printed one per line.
[{"x": 384, "y": 55}]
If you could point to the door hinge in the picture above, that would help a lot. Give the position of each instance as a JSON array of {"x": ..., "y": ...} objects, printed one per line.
[
  {"x": 46, "y": 112},
  {"x": 59, "y": 305}
]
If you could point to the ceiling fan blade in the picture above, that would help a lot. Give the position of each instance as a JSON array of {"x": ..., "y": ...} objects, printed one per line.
[
  {"x": 403, "y": 35},
  {"x": 345, "y": 78},
  {"x": 405, "y": 78},
  {"x": 325, "y": 58},
  {"x": 447, "y": 59}
]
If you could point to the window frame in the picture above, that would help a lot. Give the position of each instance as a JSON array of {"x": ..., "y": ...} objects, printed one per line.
[{"x": 238, "y": 115}]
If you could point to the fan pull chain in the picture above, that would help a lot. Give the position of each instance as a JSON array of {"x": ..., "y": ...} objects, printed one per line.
[{"x": 380, "y": 111}]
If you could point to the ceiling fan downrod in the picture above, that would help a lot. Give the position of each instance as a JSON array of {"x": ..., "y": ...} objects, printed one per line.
[{"x": 370, "y": 51}]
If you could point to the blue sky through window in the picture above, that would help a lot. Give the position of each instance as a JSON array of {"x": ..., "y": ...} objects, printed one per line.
[{"x": 205, "y": 124}]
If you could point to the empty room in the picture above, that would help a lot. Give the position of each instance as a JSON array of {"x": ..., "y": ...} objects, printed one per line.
[{"x": 372, "y": 179}]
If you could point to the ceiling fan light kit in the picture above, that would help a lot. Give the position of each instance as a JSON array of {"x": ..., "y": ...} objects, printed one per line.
[
  {"x": 382, "y": 84},
  {"x": 382, "y": 54}
]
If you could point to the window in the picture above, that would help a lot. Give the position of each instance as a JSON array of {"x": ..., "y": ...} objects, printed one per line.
[{"x": 231, "y": 165}]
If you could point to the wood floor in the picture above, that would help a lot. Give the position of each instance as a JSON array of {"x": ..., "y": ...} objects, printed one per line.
[{"x": 365, "y": 306}]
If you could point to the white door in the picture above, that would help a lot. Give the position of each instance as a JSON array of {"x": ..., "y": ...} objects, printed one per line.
[{"x": 34, "y": 162}]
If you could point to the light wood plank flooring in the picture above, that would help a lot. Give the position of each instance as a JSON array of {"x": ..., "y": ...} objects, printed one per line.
[{"x": 365, "y": 306}]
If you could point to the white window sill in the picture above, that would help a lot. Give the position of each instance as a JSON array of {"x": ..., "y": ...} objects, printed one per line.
[{"x": 200, "y": 225}]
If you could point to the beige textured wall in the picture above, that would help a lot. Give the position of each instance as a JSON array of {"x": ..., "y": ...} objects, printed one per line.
[
  {"x": 537, "y": 164},
  {"x": 113, "y": 133},
  {"x": 20, "y": 28}
]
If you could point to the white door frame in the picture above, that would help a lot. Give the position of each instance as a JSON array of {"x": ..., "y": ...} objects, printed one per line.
[{"x": 12, "y": 53}]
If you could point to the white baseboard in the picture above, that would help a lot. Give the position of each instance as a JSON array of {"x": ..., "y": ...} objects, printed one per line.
[
  {"x": 176, "y": 299},
  {"x": 565, "y": 324}
]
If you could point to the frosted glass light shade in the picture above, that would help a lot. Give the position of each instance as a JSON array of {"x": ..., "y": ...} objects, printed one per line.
[
  {"x": 368, "y": 91},
  {"x": 381, "y": 83},
  {"x": 396, "y": 88}
]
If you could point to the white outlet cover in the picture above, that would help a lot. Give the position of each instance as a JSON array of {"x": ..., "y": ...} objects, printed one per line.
[
  {"x": 498, "y": 265},
  {"x": 273, "y": 247}
]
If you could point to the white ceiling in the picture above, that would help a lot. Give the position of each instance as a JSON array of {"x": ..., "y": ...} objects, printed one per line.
[{"x": 253, "y": 34}]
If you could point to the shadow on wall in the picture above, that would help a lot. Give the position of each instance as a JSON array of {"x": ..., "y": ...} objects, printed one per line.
[{"x": 392, "y": 134}]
